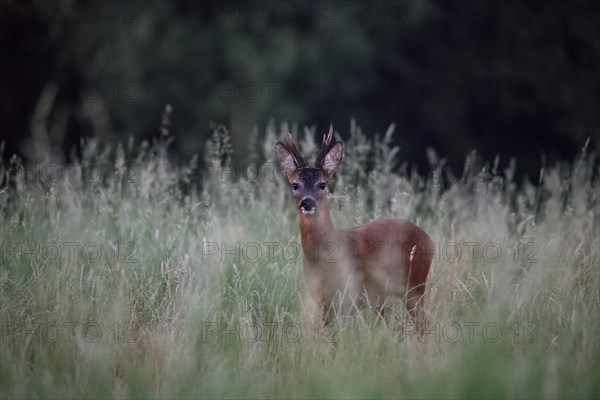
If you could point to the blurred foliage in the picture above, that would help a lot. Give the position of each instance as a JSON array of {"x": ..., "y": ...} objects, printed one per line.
[{"x": 508, "y": 78}]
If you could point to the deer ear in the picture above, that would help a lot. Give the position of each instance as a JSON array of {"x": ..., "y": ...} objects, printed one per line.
[
  {"x": 333, "y": 158},
  {"x": 285, "y": 159}
]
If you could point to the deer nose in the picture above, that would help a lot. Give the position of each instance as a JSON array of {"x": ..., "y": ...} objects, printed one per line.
[{"x": 308, "y": 205}]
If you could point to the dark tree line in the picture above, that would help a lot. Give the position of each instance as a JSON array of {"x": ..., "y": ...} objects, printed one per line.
[{"x": 511, "y": 78}]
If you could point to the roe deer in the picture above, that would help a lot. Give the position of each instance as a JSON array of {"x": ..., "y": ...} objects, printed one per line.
[{"x": 365, "y": 265}]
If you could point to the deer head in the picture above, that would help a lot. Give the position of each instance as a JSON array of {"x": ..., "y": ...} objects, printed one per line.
[{"x": 309, "y": 183}]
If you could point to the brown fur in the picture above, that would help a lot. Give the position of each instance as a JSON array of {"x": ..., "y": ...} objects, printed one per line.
[{"x": 368, "y": 264}]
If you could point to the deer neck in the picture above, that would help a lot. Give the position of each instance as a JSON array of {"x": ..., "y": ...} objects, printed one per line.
[{"x": 316, "y": 233}]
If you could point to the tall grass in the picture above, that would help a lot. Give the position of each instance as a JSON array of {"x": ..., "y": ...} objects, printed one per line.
[{"x": 124, "y": 275}]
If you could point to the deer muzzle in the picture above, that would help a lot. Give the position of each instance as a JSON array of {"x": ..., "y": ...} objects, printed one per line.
[{"x": 307, "y": 205}]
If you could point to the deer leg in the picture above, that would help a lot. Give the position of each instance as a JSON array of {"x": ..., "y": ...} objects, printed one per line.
[
  {"x": 383, "y": 315},
  {"x": 327, "y": 313},
  {"x": 330, "y": 329},
  {"x": 416, "y": 309}
]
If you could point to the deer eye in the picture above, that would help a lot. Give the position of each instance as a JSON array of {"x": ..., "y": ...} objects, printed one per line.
[
  {"x": 322, "y": 185},
  {"x": 295, "y": 186}
]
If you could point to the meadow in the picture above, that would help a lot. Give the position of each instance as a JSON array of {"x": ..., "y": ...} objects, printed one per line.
[{"x": 127, "y": 275}]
